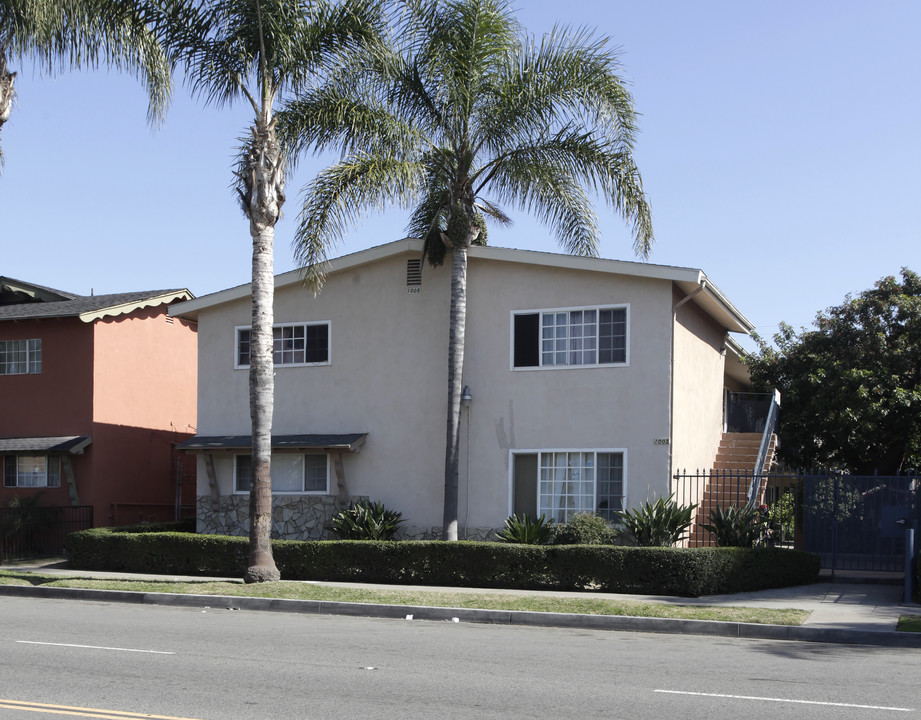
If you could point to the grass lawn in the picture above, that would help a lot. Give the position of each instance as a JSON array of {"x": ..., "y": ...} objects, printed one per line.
[
  {"x": 430, "y": 598},
  {"x": 909, "y": 623}
]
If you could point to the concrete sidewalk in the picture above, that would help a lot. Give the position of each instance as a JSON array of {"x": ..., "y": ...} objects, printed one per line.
[{"x": 838, "y": 612}]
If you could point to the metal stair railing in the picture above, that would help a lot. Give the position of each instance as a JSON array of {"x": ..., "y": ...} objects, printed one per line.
[{"x": 770, "y": 427}]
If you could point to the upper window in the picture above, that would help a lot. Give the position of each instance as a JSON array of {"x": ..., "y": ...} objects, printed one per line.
[
  {"x": 308, "y": 473},
  {"x": 563, "y": 338},
  {"x": 294, "y": 344},
  {"x": 20, "y": 357},
  {"x": 31, "y": 471}
]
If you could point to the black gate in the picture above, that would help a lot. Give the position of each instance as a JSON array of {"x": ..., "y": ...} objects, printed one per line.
[
  {"x": 858, "y": 522},
  {"x": 853, "y": 523},
  {"x": 32, "y": 532}
]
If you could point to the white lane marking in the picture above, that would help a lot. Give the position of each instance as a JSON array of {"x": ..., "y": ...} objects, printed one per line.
[
  {"x": 787, "y": 700},
  {"x": 95, "y": 647}
]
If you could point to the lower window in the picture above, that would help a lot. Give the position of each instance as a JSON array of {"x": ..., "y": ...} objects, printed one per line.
[
  {"x": 560, "y": 484},
  {"x": 308, "y": 473},
  {"x": 31, "y": 471}
]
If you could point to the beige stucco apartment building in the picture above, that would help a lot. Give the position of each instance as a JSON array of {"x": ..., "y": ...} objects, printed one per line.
[{"x": 590, "y": 382}]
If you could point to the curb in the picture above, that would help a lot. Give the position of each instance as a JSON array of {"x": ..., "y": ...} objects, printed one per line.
[{"x": 749, "y": 631}]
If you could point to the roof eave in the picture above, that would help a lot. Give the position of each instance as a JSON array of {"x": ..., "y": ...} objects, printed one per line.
[
  {"x": 191, "y": 308},
  {"x": 717, "y": 305},
  {"x": 129, "y": 307},
  {"x": 713, "y": 301}
]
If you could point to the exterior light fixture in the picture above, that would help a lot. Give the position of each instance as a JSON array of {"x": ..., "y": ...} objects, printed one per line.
[{"x": 466, "y": 397}]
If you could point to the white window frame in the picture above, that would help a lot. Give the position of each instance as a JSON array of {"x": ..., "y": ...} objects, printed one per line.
[
  {"x": 325, "y": 491},
  {"x": 540, "y": 325},
  {"x": 329, "y": 342},
  {"x": 16, "y": 462},
  {"x": 31, "y": 349},
  {"x": 540, "y": 464}
]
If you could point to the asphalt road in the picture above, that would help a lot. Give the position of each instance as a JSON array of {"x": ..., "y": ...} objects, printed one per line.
[{"x": 62, "y": 658}]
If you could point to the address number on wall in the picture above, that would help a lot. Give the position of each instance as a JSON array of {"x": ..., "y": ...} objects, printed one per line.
[{"x": 660, "y": 441}]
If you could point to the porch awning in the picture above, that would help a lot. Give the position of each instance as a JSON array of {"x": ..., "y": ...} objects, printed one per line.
[
  {"x": 217, "y": 443},
  {"x": 70, "y": 444}
]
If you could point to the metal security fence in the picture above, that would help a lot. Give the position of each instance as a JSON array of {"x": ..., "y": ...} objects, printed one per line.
[
  {"x": 32, "y": 532},
  {"x": 746, "y": 412},
  {"x": 851, "y": 522}
]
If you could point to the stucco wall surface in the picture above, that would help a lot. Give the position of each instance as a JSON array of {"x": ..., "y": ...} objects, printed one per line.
[
  {"x": 145, "y": 370},
  {"x": 57, "y": 401},
  {"x": 387, "y": 376},
  {"x": 699, "y": 380}
]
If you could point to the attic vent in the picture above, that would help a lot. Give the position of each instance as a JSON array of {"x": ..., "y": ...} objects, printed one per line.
[{"x": 414, "y": 275}]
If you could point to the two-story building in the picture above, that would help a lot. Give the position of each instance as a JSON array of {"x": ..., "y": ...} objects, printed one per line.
[
  {"x": 588, "y": 382},
  {"x": 95, "y": 392}
]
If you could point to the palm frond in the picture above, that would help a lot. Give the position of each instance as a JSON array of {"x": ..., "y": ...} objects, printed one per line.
[
  {"x": 594, "y": 164},
  {"x": 329, "y": 117},
  {"x": 427, "y": 222},
  {"x": 622, "y": 188},
  {"x": 65, "y": 34},
  {"x": 568, "y": 78},
  {"x": 265, "y": 47},
  {"x": 341, "y": 195},
  {"x": 555, "y": 198},
  {"x": 494, "y": 211}
]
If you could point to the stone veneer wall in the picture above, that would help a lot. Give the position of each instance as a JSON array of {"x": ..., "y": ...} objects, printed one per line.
[
  {"x": 294, "y": 517},
  {"x": 300, "y": 517}
]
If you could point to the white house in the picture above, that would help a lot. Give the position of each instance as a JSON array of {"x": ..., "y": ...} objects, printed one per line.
[{"x": 590, "y": 381}]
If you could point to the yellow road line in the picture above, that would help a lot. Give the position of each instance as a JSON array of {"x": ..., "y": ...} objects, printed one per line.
[{"x": 83, "y": 711}]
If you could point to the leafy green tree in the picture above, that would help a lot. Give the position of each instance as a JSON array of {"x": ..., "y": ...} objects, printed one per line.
[
  {"x": 61, "y": 34},
  {"x": 261, "y": 51},
  {"x": 851, "y": 387},
  {"x": 468, "y": 114}
]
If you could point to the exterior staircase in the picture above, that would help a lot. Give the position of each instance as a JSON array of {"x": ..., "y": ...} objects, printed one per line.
[{"x": 729, "y": 481}]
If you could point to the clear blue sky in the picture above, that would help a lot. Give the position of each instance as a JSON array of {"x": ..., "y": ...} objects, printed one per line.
[{"x": 780, "y": 148}]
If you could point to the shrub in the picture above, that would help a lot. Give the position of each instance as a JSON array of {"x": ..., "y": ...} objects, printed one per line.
[
  {"x": 655, "y": 571},
  {"x": 366, "y": 520},
  {"x": 782, "y": 514},
  {"x": 157, "y": 552},
  {"x": 584, "y": 529},
  {"x": 735, "y": 526},
  {"x": 658, "y": 524},
  {"x": 181, "y": 526},
  {"x": 525, "y": 531}
]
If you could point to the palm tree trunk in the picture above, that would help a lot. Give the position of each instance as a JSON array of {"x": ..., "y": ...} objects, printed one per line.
[
  {"x": 262, "y": 199},
  {"x": 6, "y": 90},
  {"x": 458, "y": 324}
]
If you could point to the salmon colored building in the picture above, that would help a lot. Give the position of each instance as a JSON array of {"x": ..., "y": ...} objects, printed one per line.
[{"x": 95, "y": 392}]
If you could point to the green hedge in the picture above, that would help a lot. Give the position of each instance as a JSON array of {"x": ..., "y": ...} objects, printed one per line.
[{"x": 658, "y": 571}]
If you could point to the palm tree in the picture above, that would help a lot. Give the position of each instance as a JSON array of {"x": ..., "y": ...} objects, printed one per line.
[
  {"x": 470, "y": 114},
  {"x": 62, "y": 34},
  {"x": 257, "y": 50}
]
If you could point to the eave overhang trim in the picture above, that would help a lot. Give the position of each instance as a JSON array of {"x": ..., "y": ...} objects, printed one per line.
[
  {"x": 67, "y": 445},
  {"x": 711, "y": 299},
  {"x": 350, "y": 442},
  {"x": 129, "y": 307}
]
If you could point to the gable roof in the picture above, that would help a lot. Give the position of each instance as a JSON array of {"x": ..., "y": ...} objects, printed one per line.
[
  {"x": 73, "y": 444},
  {"x": 14, "y": 292},
  {"x": 689, "y": 280},
  {"x": 36, "y": 302}
]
